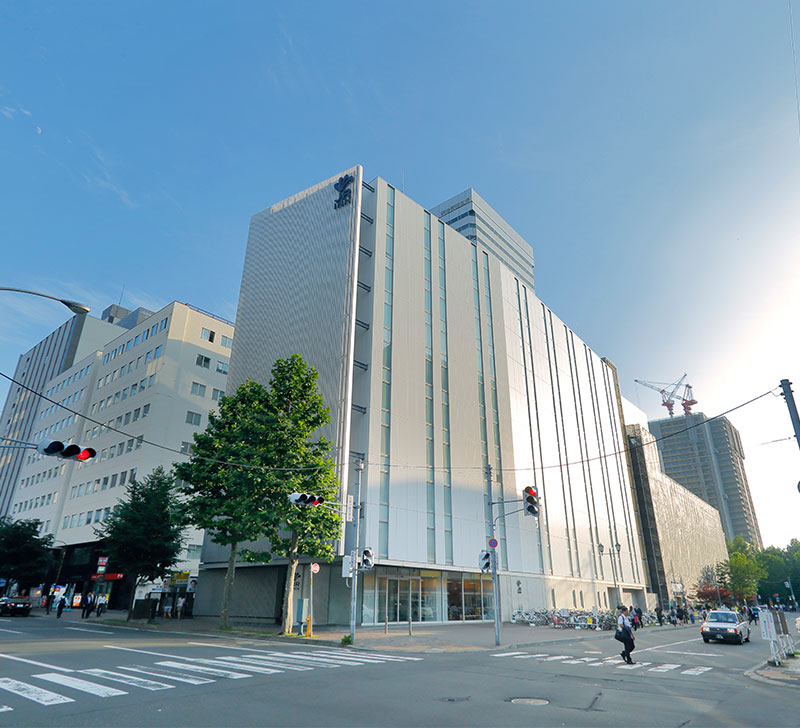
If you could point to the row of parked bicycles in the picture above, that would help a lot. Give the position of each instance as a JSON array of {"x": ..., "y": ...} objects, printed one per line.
[{"x": 573, "y": 619}]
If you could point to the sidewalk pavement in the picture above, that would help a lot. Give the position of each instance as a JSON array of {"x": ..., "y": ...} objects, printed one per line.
[
  {"x": 787, "y": 674},
  {"x": 462, "y": 637}
]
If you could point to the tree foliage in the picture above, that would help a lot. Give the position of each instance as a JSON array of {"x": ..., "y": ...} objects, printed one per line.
[
  {"x": 25, "y": 556},
  {"x": 143, "y": 534},
  {"x": 780, "y": 566},
  {"x": 261, "y": 446}
]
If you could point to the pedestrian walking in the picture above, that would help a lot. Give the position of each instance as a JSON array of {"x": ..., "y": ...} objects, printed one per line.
[
  {"x": 660, "y": 615},
  {"x": 181, "y": 606},
  {"x": 48, "y": 603},
  {"x": 673, "y": 617},
  {"x": 640, "y": 616},
  {"x": 624, "y": 634},
  {"x": 62, "y": 602},
  {"x": 88, "y": 606},
  {"x": 100, "y": 604}
]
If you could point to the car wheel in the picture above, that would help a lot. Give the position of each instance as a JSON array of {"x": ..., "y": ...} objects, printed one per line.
[
  {"x": 705, "y": 640},
  {"x": 747, "y": 639},
  {"x": 741, "y": 639}
]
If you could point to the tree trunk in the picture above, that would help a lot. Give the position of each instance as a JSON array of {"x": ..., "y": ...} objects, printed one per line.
[
  {"x": 133, "y": 598},
  {"x": 288, "y": 591},
  {"x": 228, "y": 590}
]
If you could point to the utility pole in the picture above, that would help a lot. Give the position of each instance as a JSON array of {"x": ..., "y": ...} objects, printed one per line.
[
  {"x": 354, "y": 552},
  {"x": 786, "y": 386},
  {"x": 495, "y": 586}
]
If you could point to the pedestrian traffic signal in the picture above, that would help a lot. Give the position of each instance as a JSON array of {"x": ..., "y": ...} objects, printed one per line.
[
  {"x": 530, "y": 500},
  {"x": 485, "y": 560},
  {"x": 306, "y": 499},
  {"x": 66, "y": 452},
  {"x": 367, "y": 558}
]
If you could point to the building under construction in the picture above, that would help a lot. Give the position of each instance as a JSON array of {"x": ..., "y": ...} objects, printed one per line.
[{"x": 706, "y": 456}]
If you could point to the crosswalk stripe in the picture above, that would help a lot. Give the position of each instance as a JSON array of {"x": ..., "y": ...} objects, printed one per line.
[
  {"x": 120, "y": 677},
  {"x": 31, "y": 692},
  {"x": 5, "y": 708},
  {"x": 204, "y": 670},
  {"x": 337, "y": 660},
  {"x": 663, "y": 668},
  {"x": 12, "y": 631},
  {"x": 224, "y": 663},
  {"x": 70, "y": 681},
  {"x": 580, "y": 661},
  {"x": 315, "y": 661},
  {"x": 376, "y": 655},
  {"x": 508, "y": 654},
  {"x": 528, "y": 657},
  {"x": 608, "y": 661},
  {"x": 695, "y": 670},
  {"x": 262, "y": 660},
  {"x": 556, "y": 657},
  {"x": 359, "y": 658},
  {"x": 170, "y": 674},
  {"x": 634, "y": 666}
]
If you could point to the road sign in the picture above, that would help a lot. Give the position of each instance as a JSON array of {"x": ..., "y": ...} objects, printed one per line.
[
  {"x": 315, "y": 568},
  {"x": 492, "y": 543},
  {"x": 102, "y": 560}
]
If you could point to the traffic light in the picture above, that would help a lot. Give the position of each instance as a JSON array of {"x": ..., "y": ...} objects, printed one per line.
[
  {"x": 306, "y": 499},
  {"x": 530, "y": 500},
  {"x": 367, "y": 558},
  {"x": 66, "y": 452},
  {"x": 485, "y": 560}
]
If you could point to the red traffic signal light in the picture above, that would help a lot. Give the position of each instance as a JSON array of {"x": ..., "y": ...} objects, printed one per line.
[
  {"x": 306, "y": 499},
  {"x": 65, "y": 452},
  {"x": 530, "y": 500}
]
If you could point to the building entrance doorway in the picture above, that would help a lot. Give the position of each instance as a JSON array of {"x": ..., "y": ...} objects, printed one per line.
[{"x": 399, "y": 597}]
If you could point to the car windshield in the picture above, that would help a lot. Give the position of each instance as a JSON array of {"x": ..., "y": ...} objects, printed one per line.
[{"x": 721, "y": 617}]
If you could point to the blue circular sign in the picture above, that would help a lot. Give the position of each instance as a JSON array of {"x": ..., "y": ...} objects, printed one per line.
[{"x": 492, "y": 543}]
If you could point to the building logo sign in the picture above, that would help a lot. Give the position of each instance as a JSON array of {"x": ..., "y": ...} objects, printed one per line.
[{"x": 343, "y": 188}]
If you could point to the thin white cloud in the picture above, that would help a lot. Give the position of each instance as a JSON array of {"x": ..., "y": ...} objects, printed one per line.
[
  {"x": 8, "y": 112},
  {"x": 38, "y": 129},
  {"x": 24, "y": 111}
]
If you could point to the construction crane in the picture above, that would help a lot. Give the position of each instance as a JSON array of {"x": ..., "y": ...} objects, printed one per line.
[{"x": 669, "y": 393}]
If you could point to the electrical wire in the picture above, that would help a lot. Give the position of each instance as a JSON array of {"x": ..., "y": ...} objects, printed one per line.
[{"x": 264, "y": 468}]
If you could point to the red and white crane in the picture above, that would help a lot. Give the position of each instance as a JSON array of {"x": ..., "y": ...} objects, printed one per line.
[{"x": 669, "y": 393}]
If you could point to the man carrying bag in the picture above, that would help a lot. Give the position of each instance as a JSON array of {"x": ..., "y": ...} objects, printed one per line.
[{"x": 624, "y": 634}]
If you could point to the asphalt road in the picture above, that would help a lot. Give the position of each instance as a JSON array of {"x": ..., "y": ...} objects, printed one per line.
[{"x": 73, "y": 673}]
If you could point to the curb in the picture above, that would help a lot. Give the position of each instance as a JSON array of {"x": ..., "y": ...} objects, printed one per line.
[{"x": 753, "y": 674}]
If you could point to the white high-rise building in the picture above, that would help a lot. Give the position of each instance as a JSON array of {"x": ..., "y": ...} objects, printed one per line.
[
  {"x": 456, "y": 386},
  {"x": 137, "y": 400}
]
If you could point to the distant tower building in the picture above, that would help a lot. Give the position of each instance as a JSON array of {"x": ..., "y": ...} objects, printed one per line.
[{"x": 706, "y": 456}]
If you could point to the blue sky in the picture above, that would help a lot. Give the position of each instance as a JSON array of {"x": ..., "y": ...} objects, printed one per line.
[{"x": 647, "y": 150}]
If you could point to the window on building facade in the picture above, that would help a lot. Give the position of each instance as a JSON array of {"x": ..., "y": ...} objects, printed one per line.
[
  {"x": 217, "y": 394},
  {"x": 193, "y": 418},
  {"x": 204, "y": 361},
  {"x": 199, "y": 389},
  {"x": 207, "y": 335},
  {"x": 226, "y": 341},
  {"x": 222, "y": 367}
]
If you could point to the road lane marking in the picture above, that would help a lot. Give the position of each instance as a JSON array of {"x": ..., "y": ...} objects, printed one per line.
[
  {"x": 94, "y": 631},
  {"x": 696, "y": 654},
  {"x": 528, "y": 657},
  {"x": 34, "y": 662},
  {"x": 5, "y": 620},
  {"x": 671, "y": 644},
  {"x": 12, "y": 631},
  {"x": 663, "y": 668},
  {"x": 556, "y": 657},
  {"x": 70, "y": 681},
  {"x": 144, "y": 652},
  {"x": 224, "y": 663},
  {"x": 31, "y": 692},
  {"x": 5, "y": 708},
  {"x": 696, "y": 670},
  {"x": 634, "y": 666},
  {"x": 121, "y": 677},
  {"x": 374, "y": 655},
  {"x": 204, "y": 670},
  {"x": 580, "y": 660},
  {"x": 171, "y": 674},
  {"x": 338, "y": 660},
  {"x": 508, "y": 654}
]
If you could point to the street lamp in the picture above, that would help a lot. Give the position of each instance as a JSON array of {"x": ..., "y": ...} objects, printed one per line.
[
  {"x": 613, "y": 568},
  {"x": 74, "y": 306}
]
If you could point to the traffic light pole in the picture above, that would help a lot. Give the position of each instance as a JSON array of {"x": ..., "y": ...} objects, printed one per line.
[
  {"x": 355, "y": 552},
  {"x": 786, "y": 386},
  {"x": 495, "y": 585}
]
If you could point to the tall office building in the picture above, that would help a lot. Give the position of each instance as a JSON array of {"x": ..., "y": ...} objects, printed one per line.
[
  {"x": 147, "y": 385},
  {"x": 706, "y": 456},
  {"x": 455, "y": 386},
  {"x": 70, "y": 342}
]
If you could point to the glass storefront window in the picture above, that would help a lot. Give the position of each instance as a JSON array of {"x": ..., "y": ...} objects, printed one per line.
[
  {"x": 368, "y": 600},
  {"x": 472, "y": 598},
  {"x": 431, "y": 599},
  {"x": 488, "y": 597},
  {"x": 455, "y": 607}
]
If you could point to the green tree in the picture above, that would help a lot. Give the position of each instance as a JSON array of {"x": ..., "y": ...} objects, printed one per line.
[
  {"x": 25, "y": 556},
  {"x": 742, "y": 574},
  {"x": 260, "y": 447},
  {"x": 740, "y": 546},
  {"x": 143, "y": 534}
]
